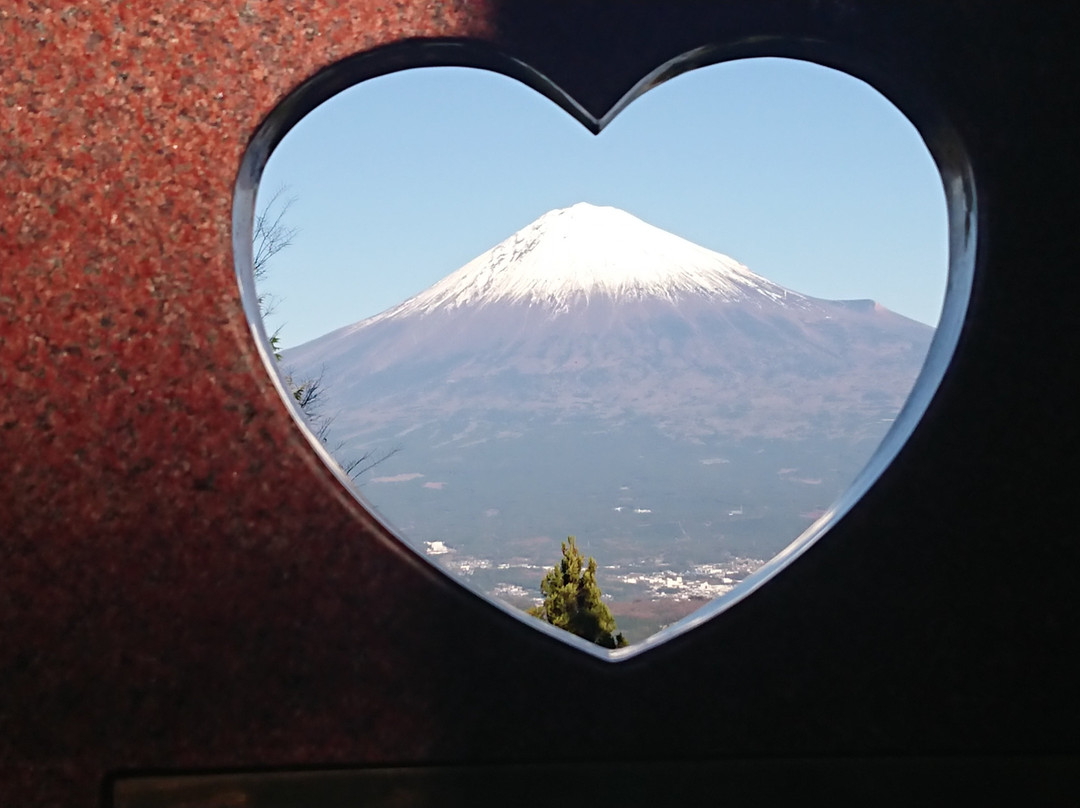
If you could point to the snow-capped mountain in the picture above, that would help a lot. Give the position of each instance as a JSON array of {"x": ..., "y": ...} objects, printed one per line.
[
  {"x": 590, "y": 306},
  {"x": 598, "y": 354},
  {"x": 575, "y": 254}
]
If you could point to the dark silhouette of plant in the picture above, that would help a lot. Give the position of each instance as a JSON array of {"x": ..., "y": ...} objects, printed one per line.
[{"x": 270, "y": 236}]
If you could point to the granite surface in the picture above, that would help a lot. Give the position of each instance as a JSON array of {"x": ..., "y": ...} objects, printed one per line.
[{"x": 184, "y": 586}]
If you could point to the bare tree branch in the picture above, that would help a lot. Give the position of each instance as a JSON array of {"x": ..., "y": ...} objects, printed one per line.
[
  {"x": 367, "y": 461},
  {"x": 310, "y": 395},
  {"x": 271, "y": 235}
]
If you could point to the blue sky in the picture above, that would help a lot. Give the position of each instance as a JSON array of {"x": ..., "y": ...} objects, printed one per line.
[{"x": 806, "y": 175}]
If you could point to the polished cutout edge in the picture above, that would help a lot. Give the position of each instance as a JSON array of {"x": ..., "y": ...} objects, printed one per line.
[{"x": 913, "y": 100}]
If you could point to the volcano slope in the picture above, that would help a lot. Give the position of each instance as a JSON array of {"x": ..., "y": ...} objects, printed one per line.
[{"x": 595, "y": 375}]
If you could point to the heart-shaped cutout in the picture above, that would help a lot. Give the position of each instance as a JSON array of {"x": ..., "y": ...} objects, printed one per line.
[{"x": 693, "y": 423}]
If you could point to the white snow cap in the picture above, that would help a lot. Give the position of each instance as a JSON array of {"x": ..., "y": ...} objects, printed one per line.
[{"x": 588, "y": 250}]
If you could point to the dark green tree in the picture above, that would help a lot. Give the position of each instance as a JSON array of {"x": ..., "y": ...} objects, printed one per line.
[{"x": 573, "y": 602}]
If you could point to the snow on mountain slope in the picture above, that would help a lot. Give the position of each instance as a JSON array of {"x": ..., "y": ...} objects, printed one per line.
[
  {"x": 584, "y": 255},
  {"x": 588, "y": 251},
  {"x": 589, "y": 307}
]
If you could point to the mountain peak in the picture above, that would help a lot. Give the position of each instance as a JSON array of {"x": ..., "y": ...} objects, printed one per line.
[{"x": 584, "y": 251}]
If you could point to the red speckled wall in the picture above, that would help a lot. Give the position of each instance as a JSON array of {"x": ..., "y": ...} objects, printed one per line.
[{"x": 184, "y": 586}]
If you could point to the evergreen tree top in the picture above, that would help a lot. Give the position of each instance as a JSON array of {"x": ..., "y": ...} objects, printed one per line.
[{"x": 573, "y": 601}]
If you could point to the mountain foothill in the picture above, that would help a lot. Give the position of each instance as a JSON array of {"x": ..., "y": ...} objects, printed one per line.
[{"x": 597, "y": 376}]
